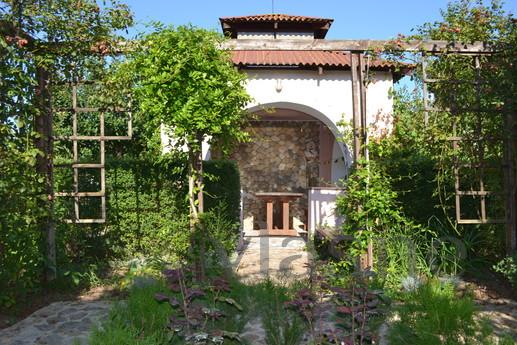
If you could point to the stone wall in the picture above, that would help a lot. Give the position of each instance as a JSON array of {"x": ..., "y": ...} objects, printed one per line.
[{"x": 283, "y": 156}]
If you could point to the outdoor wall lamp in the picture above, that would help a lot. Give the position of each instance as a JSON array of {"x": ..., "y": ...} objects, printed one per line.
[{"x": 278, "y": 86}]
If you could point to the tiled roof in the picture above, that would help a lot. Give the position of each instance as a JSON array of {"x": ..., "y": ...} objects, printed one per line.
[
  {"x": 275, "y": 17},
  {"x": 300, "y": 58}
]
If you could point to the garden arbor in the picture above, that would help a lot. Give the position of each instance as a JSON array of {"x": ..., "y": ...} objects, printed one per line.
[{"x": 359, "y": 51}]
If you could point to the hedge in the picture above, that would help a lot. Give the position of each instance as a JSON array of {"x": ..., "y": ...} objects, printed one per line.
[
  {"x": 222, "y": 186},
  {"x": 147, "y": 214}
]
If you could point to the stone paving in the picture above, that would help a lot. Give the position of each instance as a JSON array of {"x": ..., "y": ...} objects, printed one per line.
[
  {"x": 282, "y": 259},
  {"x": 59, "y": 323},
  {"x": 254, "y": 332}
]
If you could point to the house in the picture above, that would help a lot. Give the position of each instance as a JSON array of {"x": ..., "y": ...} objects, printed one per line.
[{"x": 300, "y": 99}]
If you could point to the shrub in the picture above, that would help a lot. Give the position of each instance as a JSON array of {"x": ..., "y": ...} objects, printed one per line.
[
  {"x": 508, "y": 268},
  {"x": 202, "y": 314},
  {"x": 145, "y": 214},
  {"x": 139, "y": 320},
  {"x": 21, "y": 212},
  {"x": 147, "y": 211},
  {"x": 175, "y": 311},
  {"x": 373, "y": 213},
  {"x": 433, "y": 314}
]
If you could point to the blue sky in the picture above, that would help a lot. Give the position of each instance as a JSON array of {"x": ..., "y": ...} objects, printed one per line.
[{"x": 374, "y": 19}]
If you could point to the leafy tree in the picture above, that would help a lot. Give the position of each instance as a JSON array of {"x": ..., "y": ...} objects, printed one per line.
[{"x": 187, "y": 87}]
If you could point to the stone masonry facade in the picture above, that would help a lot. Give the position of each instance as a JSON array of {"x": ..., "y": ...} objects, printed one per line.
[{"x": 282, "y": 156}]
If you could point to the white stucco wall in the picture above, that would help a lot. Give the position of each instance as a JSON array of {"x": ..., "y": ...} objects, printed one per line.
[{"x": 328, "y": 97}]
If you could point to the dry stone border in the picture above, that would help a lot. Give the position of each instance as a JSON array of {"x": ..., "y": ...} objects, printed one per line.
[{"x": 59, "y": 323}]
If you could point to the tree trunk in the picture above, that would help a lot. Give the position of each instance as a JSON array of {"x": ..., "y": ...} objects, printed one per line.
[{"x": 196, "y": 203}]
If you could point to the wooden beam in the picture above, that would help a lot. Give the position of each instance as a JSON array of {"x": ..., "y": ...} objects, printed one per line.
[
  {"x": 358, "y": 45},
  {"x": 510, "y": 182}
]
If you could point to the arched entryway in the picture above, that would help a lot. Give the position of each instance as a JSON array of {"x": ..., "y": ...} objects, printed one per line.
[{"x": 293, "y": 148}]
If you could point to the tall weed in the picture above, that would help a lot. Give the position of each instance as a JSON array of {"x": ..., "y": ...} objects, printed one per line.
[{"x": 433, "y": 314}]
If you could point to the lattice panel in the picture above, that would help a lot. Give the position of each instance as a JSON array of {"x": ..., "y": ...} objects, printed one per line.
[
  {"x": 81, "y": 197},
  {"x": 475, "y": 166}
]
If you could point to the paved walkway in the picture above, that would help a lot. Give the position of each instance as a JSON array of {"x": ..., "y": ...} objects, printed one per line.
[
  {"x": 59, "y": 323},
  {"x": 283, "y": 259}
]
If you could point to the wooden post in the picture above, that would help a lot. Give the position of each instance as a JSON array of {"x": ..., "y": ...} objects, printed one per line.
[
  {"x": 510, "y": 182},
  {"x": 359, "y": 121},
  {"x": 364, "y": 143},
  {"x": 285, "y": 214},
  {"x": 356, "y": 105},
  {"x": 269, "y": 214},
  {"x": 44, "y": 166}
]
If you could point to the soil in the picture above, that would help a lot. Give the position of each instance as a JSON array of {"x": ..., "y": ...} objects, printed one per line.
[{"x": 491, "y": 285}]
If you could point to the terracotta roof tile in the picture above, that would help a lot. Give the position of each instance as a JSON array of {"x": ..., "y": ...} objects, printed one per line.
[
  {"x": 300, "y": 58},
  {"x": 275, "y": 17}
]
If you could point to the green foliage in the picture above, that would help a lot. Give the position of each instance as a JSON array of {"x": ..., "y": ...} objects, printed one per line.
[
  {"x": 222, "y": 232},
  {"x": 185, "y": 82},
  {"x": 146, "y": 214},
  {"x": 153, "y": 312},
  {"x": 374, "y": 211},
  {"x": 222, "y": 186},
  {"x": 508, "y": 268},
  {"x": 399, "y": 257},
  {"x": 148, "y": 211},
  {"x": 201, "y": 314},
  {"x": 282, "y": 326},
  {"x": 468, "y": 21},
  {"x": 138, "y": 320},
  {"x": 405, "y": 157},
  {"x": 433, "y": 314},
  {"x": 147, "y": 207},
  {"x": 21, "y": 242},
  {"x": 222, "y": 205},
  {"x": 79, "y": 26},
  {"x": 187, "y": 87},
  {"x": 369, "y": 203}
]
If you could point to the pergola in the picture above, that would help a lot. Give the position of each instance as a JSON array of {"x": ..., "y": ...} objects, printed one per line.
[{"x": 357, "y": 50}]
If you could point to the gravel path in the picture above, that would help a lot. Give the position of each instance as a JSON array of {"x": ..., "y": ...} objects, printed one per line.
[{"x": 60, "y": 323}]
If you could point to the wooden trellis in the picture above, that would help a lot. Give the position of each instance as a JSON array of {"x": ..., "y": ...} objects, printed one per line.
[
  {"x": 478, "y": 140},
  {"x": 77, "y": 165}
]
